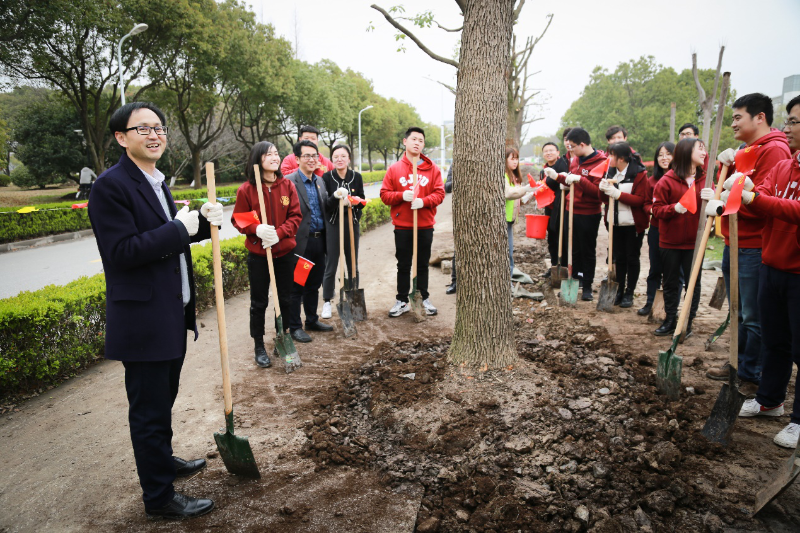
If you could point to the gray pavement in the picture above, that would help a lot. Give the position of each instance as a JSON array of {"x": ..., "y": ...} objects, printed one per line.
[{"x": 62, "y": 262}]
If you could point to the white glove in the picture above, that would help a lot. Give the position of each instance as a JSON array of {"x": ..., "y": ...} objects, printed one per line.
[
  {"x": 341, "y": 192},
  {"x": 212, "y": 213},
  {"x": 714, "y": 208},
  {"x": 706, "y": 194},
  {"x": 727, "y": 157},
  {"x": 724, "y": 196},
  {"x": 408, "y": 196},
  {"x": 189, "y": 219},
  {"x": 564, "y": 187},
  {"x": 613, "y": 192},
  {"x": 417, "y": 203},
  {"x": 527, "y": 198},
  {"x": 572, "y": 178},
  {"x": 267, "y": 234},
  {"x": 550, "y": 173},
  {"x": 748, "y": 197},
  {"x": 680, "y": 209},
  {"x": 748, "y": 183}
]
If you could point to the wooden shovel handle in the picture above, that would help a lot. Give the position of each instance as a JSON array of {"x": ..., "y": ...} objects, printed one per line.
[
  {"x": 733, "y": 232},
  {"x": 414, "y": 216},
  {"x": 610, "y": 236},
  {"x": 342, "y": 257},
  {"x": 352, "y": 248},
  {"x": 561, "y": 229},
  {"x": 571, "y": 210},
  {"x": 273, "y": 283},
  {"x": 219, "y": 295}
]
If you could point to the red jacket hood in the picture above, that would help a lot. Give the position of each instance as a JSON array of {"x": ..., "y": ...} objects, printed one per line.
[{"x": 424, "y": 163}]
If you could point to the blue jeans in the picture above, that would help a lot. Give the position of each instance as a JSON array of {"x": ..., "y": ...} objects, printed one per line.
[
  {"x": 511, "y": 246},
  {"x": 749, "y": 318}
]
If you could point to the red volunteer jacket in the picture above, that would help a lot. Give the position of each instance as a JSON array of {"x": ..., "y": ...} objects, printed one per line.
[
  {"x": 676, "y": 231},
  {"x": 639, "y": 199},
  {"x": 778, "y": 202},
  {"x": 290, "y": 165},
  {"x": 772, "y": 148},
  {"x": 282, "y": 206},
  {"x": 586, "y": 200},
  {"x": 431, "y": 190}
]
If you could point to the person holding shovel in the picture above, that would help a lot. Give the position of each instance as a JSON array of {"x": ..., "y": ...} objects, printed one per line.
[
  {"x": 150, "y": 298},
  {"x": 397, "y": 191},
  {"x": 586, "y": 217},
  {"x": 766, "y": 146},
  {"x": 340, "y": 183},
  {"x": 278, "y": 232},
  {"x": 553, "y": 160},
  {"x": 777, "y": 201},
  {"x": 627, "y": 185},
  {"x": 678, "y": 227},
  {"x": 663, "y": 159}
]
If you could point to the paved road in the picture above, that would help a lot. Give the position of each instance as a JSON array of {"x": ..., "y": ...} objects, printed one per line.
[{"x": 60, "y": 263}]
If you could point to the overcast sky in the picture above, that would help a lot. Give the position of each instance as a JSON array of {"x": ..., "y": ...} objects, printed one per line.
[{"x": 758, "y": 37}]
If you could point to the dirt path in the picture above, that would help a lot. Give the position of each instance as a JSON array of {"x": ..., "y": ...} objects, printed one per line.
[{"x": 68, "y": 464}]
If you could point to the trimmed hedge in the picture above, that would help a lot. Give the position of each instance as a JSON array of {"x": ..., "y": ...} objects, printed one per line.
[
  {"x": 5, "y": 180},
  {"x": 373, "y": 177},
  {"x": 49, "y": 335}
]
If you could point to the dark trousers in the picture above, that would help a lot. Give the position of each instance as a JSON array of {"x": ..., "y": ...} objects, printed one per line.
[
  {"x": 152, "y": 387},
  {"x": 627, "y": 248},
  {"x": 552, "y": 241},
  {"x": 779, "y": 302},
  {"x": 749, "y": 319},
  {"x": 453, "y": 272},
  {"x": 258, "y": 270},
  {"x": 656, "y": 272},
  {"x": 584, "y": 246},
  {"x": 404, "y": 249},
  {"x": 673, "y": 262},
  {"x": 332, "y": 255},
  {"x": 308, "y": 295}
]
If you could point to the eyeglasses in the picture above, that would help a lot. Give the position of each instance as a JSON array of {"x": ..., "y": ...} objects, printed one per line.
[
  {"x": 683, "y": 135},
  {"x": 309, "y": 157},
  {"x": 145, "y": 130},
  {"x": 790, "y": 123}
]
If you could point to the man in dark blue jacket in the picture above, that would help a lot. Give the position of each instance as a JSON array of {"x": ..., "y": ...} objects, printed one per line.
[{"x": 150, "y": 300}]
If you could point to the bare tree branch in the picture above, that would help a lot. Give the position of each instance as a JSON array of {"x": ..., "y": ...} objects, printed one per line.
[
  {"x": 413, "y": 37},
  {"x": 448, "y": 29},
  {"x": 517, "y": 11}
]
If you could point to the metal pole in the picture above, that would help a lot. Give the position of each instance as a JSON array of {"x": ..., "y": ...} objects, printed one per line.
[
  {"x": 442, "y": 162},
  {"x": 360, "y": 157},
  {"x": 139, "y": 28}
]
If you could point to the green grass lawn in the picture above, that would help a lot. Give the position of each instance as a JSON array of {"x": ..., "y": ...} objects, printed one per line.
[{"x": 714, "y": 249}]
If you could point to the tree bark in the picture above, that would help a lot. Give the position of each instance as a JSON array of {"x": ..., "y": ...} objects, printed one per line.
[{"x": 483, "y": 335}]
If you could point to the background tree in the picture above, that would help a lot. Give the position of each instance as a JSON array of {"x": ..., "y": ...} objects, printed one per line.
[{"x": 708, "y": 103}]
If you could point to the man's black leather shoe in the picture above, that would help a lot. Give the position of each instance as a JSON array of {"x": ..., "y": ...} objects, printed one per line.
[
  {"x": 180, "y": 508},
  {"x": 587, "y": 295},
  {"x": 644, "y": 311},
  {"x": 318, "y": 326},
  {"x": 185, "y": 468},
  {"x": 451, "y": 289},
  {"x": 627, "y": 301},
  {"x": 618, "y": 298},
  {"x": 666, "y": 328},
  {"x": 262, "y": 359},
  {"x": 300, "y": 336}
]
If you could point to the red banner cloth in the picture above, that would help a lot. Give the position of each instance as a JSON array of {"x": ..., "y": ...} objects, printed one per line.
[
  {"x": 357, "y": 200},
  {"x": 302, "y": 270},
  {"x": 80, "y": 206}
]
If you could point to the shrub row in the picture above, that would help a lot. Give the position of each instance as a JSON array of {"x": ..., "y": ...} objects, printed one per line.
[
  {"x": 373, "y": 177},
  {"x": 49, "y": 335},
  {"x": 5, "y": 180}
]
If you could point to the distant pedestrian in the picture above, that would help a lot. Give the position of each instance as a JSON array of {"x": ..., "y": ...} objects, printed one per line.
[{"x": 85, "y": 186}]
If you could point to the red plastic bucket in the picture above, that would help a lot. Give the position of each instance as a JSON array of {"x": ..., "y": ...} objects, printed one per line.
[{"x": 536, "y": 226}]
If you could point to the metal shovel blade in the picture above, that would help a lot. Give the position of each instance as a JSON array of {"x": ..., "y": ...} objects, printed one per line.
[
  {"x": 415, "y": 298},
  {"x": 719, "y": 426},
  {"x": 718, "y": 333},
  {"x": 557, "y": 275},
  {"x": 668, "y": 371},
  {"x": 658, "y": 313},
  {"x": 608, "y": 293},
  {"x": 719, "y": 294},
  {"x": 569, "y": 291},
  {"x": 286, "y": 350},
  {"x": 783, "y": 479},
  {"x": 358, "y": 304},
  {"x": 235, "y": 451},
  {"x": 346, "y": 315}
]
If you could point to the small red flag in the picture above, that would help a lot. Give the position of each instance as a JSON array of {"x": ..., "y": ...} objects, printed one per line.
[
  {"x": 746, "y": 159},
  {"x": 544, "y": 196},
  {"x": 302, "y": 270},
  {"x": 735, "y": 197},
  {"x": 357, "y": 200},
  {"x": 532, "y": 182},
  {"x": 600, "y": 170},
  {"x": 246, "y": 219},
  {"x": 689, "y": 200},
  {"x": 80, "y": 206}
]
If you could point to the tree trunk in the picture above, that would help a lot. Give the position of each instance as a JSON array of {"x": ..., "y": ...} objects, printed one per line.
[
  {"x": 483, "y": 336},
  {"x": 369, "y": 158},
  {"x": 196, "y": 168}
]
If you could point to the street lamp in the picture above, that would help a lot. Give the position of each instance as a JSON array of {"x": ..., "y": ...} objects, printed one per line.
[
  {"x": 360, "y": 158},
  {"x": 139, "y": 28}
]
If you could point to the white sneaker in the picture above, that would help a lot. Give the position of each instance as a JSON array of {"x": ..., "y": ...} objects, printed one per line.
[
  {"x": 429, "y": 308},
  {"x": 326, "y": 310},
  {"x": 788, "y": 436},
  {"x": 399, "y": 308},
  {"x": 753, "y": 408}
]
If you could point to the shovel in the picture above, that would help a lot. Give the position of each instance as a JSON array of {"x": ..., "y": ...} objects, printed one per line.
[
  {"x": 569, "y": 286},
  {"x": 718, "y": 296},
  {"x": 670, "y": 365},
  {"x": 415, "y": 297},
  {"x": 783, "y": 479},
  {"x": 343, "y": 307},
  {"x": 235, "y": 451},
  {"x": 558, "y": 272},
  {"x": 719, "y": 425},
  {"x": 718, "y": 333},
  {"x": 283, "y": 342},
  {"x": 658, "y": 313},
  {"x": 609, "y": 287},
  {"x": 358, "y": 303}
]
